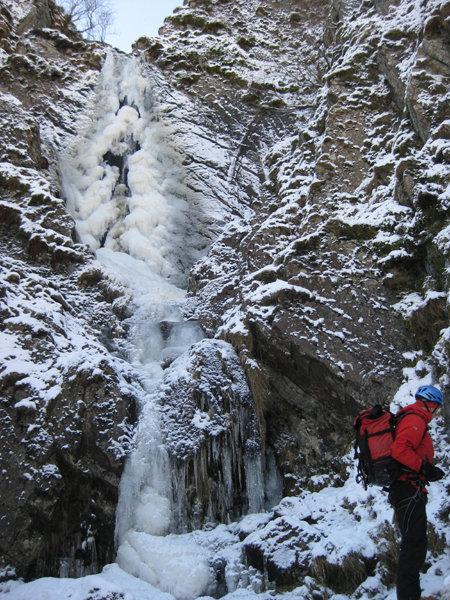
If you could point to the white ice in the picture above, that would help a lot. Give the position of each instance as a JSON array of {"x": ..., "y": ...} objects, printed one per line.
[
  {"x": 143, "y": 208},
  {"x": 138, "y": 219}
]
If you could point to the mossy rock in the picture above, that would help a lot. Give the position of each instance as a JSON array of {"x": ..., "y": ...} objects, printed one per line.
[
  {"x": 407, "y": 144},
  {"x": 187, "y": 20},
  {"x": 154, "y": 50},
  {"x": 358, "y": 231},
  {"x": 181, "y": 65},
  {"x": 90, "y": 277},
  {"x": 12, "y": 183},
  {"x": 305, "y": 245},
  {"x": 205, "y": 4},
  {"x": 263, "y": 86},
  {"x": 18, "y": 64},
  {"x": 40, "y": 199},
  {"x": 213, "y": 69},
  {"x": 251, "y": 98},
  {"x": 10, "y": 215},
  {"x": 344, "y": 577},
  {"x": 385, "y": 171},
  {"x": 196, "y": 22},
  {"x": 276, "y": 103},
  {"x": 261, "y": 12},
  {"x": 143, "y": 43},
  {"x": 213, "y": 27},
  {"x": 246, "y": 43},
  {"x": 346, "y": 73},
  {"x": 398, "y": 34},
  {"x": 443, "y": 132},
  {"x": 233, "y": 77},
  {"x": 426, "y": 323},
  {"x": 216, "y": 52},
  {"x": 443, "y": 110},
  {"x": 188, "y": 79},
  {"x": 267, "y": 275},
  {"x": 427, "y": 199}
]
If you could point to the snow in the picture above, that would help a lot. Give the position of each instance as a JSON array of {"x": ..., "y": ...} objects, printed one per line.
[
  {"x": 113, "y": 582},
  {"x": 413, "y": 302},
  {"x": 44, "y": 376},
  {"x": 271, "y": 290},
  {"x": 146, "y": 234}
]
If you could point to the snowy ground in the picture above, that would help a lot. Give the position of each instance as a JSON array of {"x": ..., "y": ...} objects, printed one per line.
[{"x": 344, "y": 520}]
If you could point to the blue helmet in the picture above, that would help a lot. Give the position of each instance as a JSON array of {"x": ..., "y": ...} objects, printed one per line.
[{"x": 428, "y": 393}]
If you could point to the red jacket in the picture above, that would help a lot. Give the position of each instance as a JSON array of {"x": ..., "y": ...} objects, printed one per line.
[{"x": 412, "y": 442}]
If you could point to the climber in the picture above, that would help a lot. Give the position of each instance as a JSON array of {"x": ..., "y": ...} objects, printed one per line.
[{"x": 413, "y": 448}]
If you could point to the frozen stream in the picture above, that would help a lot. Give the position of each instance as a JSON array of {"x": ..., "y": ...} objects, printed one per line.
[{"x": 123, "y": 181}]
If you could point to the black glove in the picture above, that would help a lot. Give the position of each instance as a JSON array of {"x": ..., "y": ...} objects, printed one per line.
[{"x": 430, "y": 472}]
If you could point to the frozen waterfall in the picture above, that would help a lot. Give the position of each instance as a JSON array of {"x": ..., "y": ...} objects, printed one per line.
[{"x": 123, "y": 180}]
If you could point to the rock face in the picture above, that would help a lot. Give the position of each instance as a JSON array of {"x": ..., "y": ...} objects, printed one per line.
[
  {"x": 212, "y": 437},
  {"x": 316, "y": 138},
  {"x": 66, "y": 410},
  {"x": 349, "y": 210}
]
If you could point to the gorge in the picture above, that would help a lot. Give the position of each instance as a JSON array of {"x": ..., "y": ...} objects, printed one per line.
[{"x": 214, "y": 252}]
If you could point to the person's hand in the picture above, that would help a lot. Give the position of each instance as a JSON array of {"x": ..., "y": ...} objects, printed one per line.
[{"x": 430, "y": 472}]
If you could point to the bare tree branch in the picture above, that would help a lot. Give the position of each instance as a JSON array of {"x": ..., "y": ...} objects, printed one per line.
[
  {"x": 105, "y": 23},
  {"x": 93, "y": 18}
]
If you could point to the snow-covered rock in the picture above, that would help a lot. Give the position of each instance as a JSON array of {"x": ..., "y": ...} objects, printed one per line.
[
  {"x": 67, "y": 407},
  {"x": 286, "y": 162}
]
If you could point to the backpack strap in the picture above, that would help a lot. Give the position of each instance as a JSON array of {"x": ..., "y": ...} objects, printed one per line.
[
  {"x": 412, "y": 475},
  {"x": 404, "y": 414}
]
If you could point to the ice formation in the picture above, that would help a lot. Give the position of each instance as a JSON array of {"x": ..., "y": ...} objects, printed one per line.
[
  {"x": 124, "y": 186},
  {"x": 124, "y": 181}
]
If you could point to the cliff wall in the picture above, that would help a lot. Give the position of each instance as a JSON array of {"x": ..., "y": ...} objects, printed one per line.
[{"x": 315, "y": 137}]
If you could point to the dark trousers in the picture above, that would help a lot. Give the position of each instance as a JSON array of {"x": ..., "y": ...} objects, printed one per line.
[{"x": 410, "y": 508}]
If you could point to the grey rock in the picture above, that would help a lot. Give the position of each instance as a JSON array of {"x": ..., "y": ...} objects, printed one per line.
[{"x": 212, "y": 437}]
